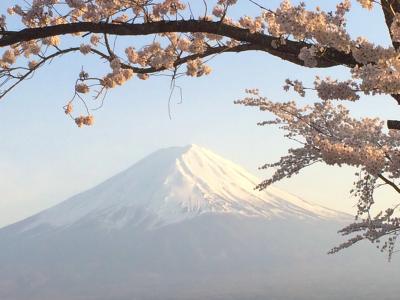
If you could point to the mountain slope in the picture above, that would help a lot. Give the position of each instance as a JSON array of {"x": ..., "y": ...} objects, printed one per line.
[
  {"x": 176, "y": 184},
  {"x": 184, "y": 223}
]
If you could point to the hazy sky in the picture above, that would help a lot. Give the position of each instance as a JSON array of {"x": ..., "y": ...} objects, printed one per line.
[{"x": 45, "y": 158}]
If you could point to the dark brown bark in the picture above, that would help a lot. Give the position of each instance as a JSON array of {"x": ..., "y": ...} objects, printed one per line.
[
  {"x": 262, "y": 42},
  {"x": 393, "y": 124},
  {"x": 288, "y": 51},
  {"x": 389, "y": 8}
]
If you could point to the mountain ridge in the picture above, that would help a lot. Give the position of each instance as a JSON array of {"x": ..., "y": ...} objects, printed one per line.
[
  {"x": 143, "y": 235},
  {"x": 174, "y": 184}
]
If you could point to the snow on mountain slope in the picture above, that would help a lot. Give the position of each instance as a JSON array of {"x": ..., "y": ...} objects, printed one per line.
[{"x": 175, "y": 184}]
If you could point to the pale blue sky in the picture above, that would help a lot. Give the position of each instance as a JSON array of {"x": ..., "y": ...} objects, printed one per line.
[{"x": 44, "y": 158}]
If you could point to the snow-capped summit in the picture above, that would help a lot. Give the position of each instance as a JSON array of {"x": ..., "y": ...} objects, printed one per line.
[{"x": 174, "y": 184}]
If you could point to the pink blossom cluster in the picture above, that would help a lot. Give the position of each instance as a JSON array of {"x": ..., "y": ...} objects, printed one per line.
[
  {"x": 375, "y": 68},
  {"x": 296, "y": 21},
  {"x": 368, "y": 4},
  {"x": 327, "y": 133},
  {"x": 330, "y": 134},
  {"x": 377, "y": 71},
  {"x": 329, "y": 89},
  {"x": 196, "y": 68}
]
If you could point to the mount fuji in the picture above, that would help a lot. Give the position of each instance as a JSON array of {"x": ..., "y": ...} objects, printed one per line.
[{"x": 185, "y": 223}]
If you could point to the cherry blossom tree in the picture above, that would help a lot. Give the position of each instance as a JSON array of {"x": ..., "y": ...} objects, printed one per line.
[{"x": 181, "y": 42}]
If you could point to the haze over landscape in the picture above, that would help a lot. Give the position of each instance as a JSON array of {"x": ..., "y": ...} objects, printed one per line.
[
  {"x": 135, "y": 122},
  {"x": 199, "y": 150},
  {"x": 185, "y": 223}
]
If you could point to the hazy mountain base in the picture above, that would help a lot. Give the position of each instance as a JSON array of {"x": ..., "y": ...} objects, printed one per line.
[
  {"x": 185, "y": 223},
  {"x": 213, "y": 256}
]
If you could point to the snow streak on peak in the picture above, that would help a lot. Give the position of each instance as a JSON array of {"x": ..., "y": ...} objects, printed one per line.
[{"x": 174, "y": 184}]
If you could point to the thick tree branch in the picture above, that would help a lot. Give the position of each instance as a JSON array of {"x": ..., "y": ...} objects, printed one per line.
[
  {"x": 390, "y": 8},
  {"x": 393, "y": 124},
  {"x": 289, "y": 51}
]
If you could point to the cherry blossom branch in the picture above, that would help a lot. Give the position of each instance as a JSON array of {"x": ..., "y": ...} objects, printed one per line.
[
  {"x": 178, "y": 62},
  {"x": 263, "y": 42},
  {"x": 327, "y": 133},
  {"x": 182, "y": 60},
  {"x": 23, "y": 77},
  {"x": 284, "y": 33}
]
